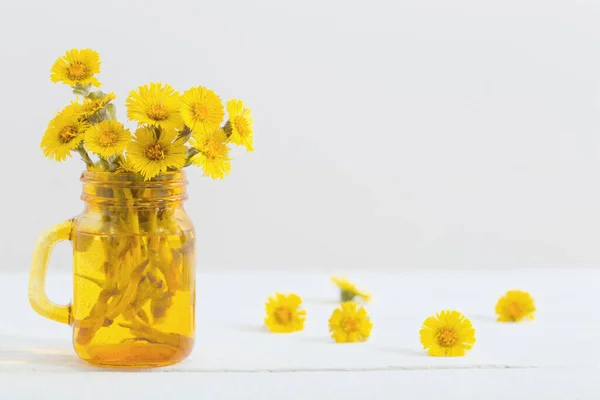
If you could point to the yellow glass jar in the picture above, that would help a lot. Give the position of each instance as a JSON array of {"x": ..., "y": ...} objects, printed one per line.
[{"x": 134, "y": 271}]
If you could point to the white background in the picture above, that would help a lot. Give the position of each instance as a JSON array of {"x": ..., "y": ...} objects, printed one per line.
[{"x": 389, "y": 134}]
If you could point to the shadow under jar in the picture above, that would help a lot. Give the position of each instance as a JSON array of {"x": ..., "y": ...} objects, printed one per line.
[{"x": 134, "y": 271}]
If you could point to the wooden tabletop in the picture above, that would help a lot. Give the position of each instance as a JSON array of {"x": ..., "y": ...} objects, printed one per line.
[{"x": 555, "y": 356}]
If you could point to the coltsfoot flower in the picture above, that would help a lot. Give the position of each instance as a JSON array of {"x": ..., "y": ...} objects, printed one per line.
[
  {"x": 350, "y": 323},
  {"x": 77, "y": 67},
  {"x": 447, "y": 334},
  {"x": 151, "y": 156},
  {"x": 93, "y": 105},
  {"x": 348, "y": 290},
  {"x": 284, "y": 314},
  {"x": 125, "y": 166},
  {"x": 64, "y": 133},
  {"x": 240, "y": 121},
  {"x": 201, "y": 110},
  {"x": 213, "y": 154},
  {"x": 107, "y": 138},
  {"x": 515, "y": 306},
  {"x": 155, "y": 104}
]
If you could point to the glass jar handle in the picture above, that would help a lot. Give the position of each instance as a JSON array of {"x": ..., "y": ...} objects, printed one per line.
[{"x": 37, "y": 276}]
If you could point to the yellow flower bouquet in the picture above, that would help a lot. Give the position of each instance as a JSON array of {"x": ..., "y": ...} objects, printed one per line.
[
  {"x": 134, "y": 244},
  {"x": 174, "y": 131}
]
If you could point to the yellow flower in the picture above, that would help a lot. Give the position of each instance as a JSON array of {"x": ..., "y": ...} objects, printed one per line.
[
  {"x": 125, "y": 166},
  {"x": 350, "y": 323},
  {"x": 107, "y": 138},
  {"x": 447, "y": 334},
  {"x": 155, "y": 104},
  {"x": 151, "y": 156},
  {"x": 64, "y": 133},
  {"x": 515, "y": 306},
  {"x": 240, "y": 119},
  {"x": 283, "y": 313},
  {"x": 90, "y": 106},
  {"x": 348, "y": 290},
  {"x": 213, "y": 154},
  {"x": 201, "y": 110},
  {"x": 77, "y": 67}
]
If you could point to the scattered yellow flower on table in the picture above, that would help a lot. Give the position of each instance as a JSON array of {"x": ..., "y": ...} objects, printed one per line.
[
  {"x": 240, "y": 119},
  {"x": 350, "y": 323},
  {"x": 514, "y": 306},
  {"x": 213, "y": 154},
  {"x": 77, "y": 67},
  {"x": 201, "y": 110},
  {"x": 150, "y": 155},
  {"x": 348, "y": 290},
  {"x": 64, "y": 133},
  {"x": 447, "y": 334},
  {"x": 107, "y": 138},
  {"x": 155, "y": 104},
  {"x": 283, "y": 313}
]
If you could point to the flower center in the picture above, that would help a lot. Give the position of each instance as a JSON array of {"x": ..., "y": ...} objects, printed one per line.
[
  {"x": 447, "y": 337},
  {"x": 241, "y": 125},
  {"x": 66, "y": 134},
  {"x": 155, "y": 152},
  {"x": 77, "y": 71},
  {"x": 108, "y": 138},
  {"x": 350, "y": 325},
  {"x": 200, "y": 111},
  {"x": 515, "y": 310},
  {"x": 92, "y": 106},
  {"x": 213, "y": 148},
  {"x": 283, "y": 315},
  {"x": 157, "y": 112}
]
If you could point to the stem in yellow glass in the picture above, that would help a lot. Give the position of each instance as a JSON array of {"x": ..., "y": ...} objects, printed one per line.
[
  {"x": 134, "y": 298},
  {"x": 129, "y": 281},
  {"x": 126, "y": 280},
  {"x": 145, "y": 332}
]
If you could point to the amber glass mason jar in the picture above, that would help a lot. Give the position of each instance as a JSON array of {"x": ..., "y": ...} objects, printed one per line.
[{"x": 134, "y": 271}]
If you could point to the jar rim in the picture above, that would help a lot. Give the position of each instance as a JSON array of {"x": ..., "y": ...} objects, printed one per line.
[
  {"x": 131, "y": 190},
  {"x": 106, "y": 176}
]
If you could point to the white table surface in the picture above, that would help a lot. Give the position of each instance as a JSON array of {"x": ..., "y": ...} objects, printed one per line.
[{"x": 557, "y": 356}]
